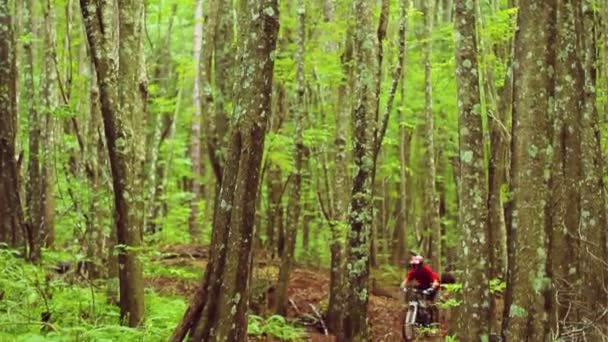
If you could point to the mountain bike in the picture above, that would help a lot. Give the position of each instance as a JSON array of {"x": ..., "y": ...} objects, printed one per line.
[{"x": 419, "y": 312}]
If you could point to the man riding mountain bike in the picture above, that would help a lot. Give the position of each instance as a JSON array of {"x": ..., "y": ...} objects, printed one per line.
[
  {"x": 426, "y": 278},
  {"x": 421, "y": 310}
]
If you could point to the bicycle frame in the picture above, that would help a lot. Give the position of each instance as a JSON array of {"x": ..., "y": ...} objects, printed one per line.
[
  {"x": 415, "y": 304},
  {"x": 412, "y": 311}
]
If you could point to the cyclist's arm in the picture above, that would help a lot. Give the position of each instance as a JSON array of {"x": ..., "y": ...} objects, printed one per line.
[
  {"x": 435, "y": 278},
  {"x": 408, "y": 277}
]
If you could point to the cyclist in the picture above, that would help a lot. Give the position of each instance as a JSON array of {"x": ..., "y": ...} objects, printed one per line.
[{"x": 427, "y": 279}]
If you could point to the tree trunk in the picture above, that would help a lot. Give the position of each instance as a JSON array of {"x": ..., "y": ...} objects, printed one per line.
[
  {"x": 401, "y": 227},
  {"x": 533, "y": 51},
  {"x": 358, "y": 250},
  {"x": 96, "y": 159},
  {"x": 121, "y": 109},
  {"x": 593, "y": 226},
  {"x": 566, "y": 169},
  {"x": 158, "y": 129},
  {"x": 49, "y": 104},
  {"x": 195, "y": 148},
  {"x": 224, "y": 75},
  {"x": 473, "y": 193},
  {"x": 337, "y": 286},
  {"x": 405, "y": 140},
  {"x": 207, "y": 99},
  {"x": 218, "y": 309},
  {"x": 431, "y": 200},
  {"x": 12, "y": 227},
  {"x": 293, "y": 214},
  {"x": 33, "y": 187}
]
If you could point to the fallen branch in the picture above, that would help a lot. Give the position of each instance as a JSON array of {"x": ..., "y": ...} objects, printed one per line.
[
  {"x": 293, "y": 304},
  {"x": 316, "y": 311}
]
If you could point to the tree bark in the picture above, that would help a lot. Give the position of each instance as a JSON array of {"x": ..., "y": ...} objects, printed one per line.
[
  {"x": 195, "y": 147},
  {"x": 566, "y": 169},
  {"x": 530, "y": 170},
  {"x": 12, "y": 227},
  {"x": 121, "y": 107},
  {"x": 337, "y": 289},
  {"x": 49, "y": 103},
  {"x": 208, "y": 121},
  {"x": 593, "y": 226},
  {"x": 294, "y": 208},
  {"x": 33, "y": 187},
  {"x": 358, "y": 251},
  {"x": 431, "y": 200},
  {"x": 473, "y": 192},
  {"x": 224, "y": 75},
  {"x": 218, "y": 309}
]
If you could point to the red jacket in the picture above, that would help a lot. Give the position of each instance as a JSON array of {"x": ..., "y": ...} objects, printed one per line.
[{"x": 425, "y": 276}]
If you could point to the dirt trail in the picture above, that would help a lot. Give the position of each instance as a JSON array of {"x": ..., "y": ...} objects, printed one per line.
[{"x": 308, "y": 289}]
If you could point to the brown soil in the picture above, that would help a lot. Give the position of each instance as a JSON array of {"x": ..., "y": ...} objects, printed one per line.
[{"x": 308, "y": 289}]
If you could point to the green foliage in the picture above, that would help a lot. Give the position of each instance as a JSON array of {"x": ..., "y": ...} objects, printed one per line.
[
  {"x": 450, "y": 303},
  {"x": 428, "y": 330},
  {"x": 274, "y": 326},
  {"x": 390, "y": 274},
  {"x": 451, "y": 338},
  {"x": 497, "y": 286},
  {"x": 517, "y": 311},
  {"x": 453, "y": 288},
  {"x": 79, "y": 311},
  {"x": 279, "y": 150}
]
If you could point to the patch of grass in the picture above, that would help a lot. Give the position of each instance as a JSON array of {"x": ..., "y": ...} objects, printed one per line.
[
  {"x": 82, "y": 312},
  {"x": 274, "y": 326}
]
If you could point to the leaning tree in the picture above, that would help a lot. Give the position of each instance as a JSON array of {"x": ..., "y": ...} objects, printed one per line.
[{"x": 218, "y": 310}]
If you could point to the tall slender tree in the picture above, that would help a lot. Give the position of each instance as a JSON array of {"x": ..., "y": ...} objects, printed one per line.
[
  {"x": 294, "y": 207},
  {"x": 358, "y": 249},
  {"x": 219, "y": 307},
  {"x": 472, "y": 191},
  {"x": 120, "y": 111},
  {"x": 405, "y": 138},
  {"x": 339, "y": 212},
  {"x": 195, "y": 147},
  {"x": 431, "y": 200},
  {"x": 12, "y": 226},
  {"x": 49, "y": 101},
  {"x": 33, "y": 197}
]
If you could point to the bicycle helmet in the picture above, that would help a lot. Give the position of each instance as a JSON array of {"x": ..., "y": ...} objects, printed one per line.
[{"x": 416, "y": 260}]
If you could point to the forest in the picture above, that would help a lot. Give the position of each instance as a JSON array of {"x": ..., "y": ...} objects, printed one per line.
[{"x": 288, "y": 170}]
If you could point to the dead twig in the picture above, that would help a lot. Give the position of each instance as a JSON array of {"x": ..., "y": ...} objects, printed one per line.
[
  {"x": 318, "y": 314},
  {"x": 295, "y": 307}
]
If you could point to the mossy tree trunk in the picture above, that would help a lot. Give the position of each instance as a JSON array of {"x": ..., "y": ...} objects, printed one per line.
[
  {"x": 526, "y": 320},
  {"x": 218, "y": 311},
  {"x": 338, "y": 214},
  {"x": 473, "y": 191},
  {"x": 593, "y": 227},
  {"x": 121, "y": 85},
  {"x": 358, "y": 249}
]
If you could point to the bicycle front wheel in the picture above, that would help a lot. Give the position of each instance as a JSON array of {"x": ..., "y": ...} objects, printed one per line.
[{"x": 408, "y": 326}]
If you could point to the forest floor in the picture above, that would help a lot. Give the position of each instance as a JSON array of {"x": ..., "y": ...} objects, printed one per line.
[{"x": 308, "y": 293}]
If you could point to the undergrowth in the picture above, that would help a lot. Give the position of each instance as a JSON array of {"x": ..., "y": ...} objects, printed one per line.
[{"x": 36, "y": 304}]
